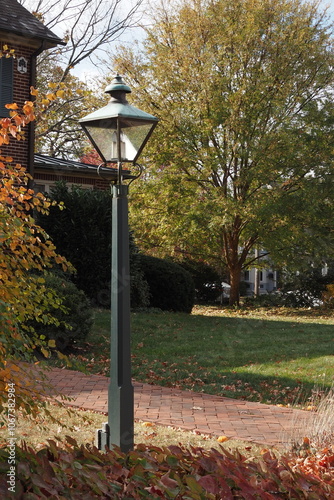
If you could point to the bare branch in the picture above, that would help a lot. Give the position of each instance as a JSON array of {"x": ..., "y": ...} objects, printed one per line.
[{"x": 86, "y": 25}]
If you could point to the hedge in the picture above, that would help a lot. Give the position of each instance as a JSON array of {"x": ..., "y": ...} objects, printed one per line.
[{"x": 171, "y": 287}]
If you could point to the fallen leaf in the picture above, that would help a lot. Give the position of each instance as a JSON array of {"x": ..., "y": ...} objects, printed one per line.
[{"x": 148, "y": 424}]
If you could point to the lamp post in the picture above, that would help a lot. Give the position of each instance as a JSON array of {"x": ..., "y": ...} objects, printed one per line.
[{"x": 119, "y": 132}]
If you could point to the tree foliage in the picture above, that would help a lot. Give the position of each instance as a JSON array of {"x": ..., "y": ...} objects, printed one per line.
[
  {"x": 243, "y": 153},
  {"x": 60, "y": 104},
  {"x": 25, "y": 253}
]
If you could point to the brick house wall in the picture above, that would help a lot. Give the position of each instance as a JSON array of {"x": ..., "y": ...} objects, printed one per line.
[
  {"x": 19, "y": 150},
  {"x": 22, "y": 32}
]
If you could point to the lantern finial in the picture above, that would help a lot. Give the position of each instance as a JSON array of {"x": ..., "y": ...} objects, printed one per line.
[{"x": 117, "y": 89}]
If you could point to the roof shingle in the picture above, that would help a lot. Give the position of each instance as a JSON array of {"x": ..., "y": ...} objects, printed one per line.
[{"x": 16, "y": 19}]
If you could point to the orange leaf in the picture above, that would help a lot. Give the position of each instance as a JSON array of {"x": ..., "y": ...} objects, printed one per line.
[
  {"x": 27, "y": 109},
  {"x": 12, "y": 106}
]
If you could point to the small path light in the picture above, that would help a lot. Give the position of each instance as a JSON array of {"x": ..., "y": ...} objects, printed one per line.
[{"x": 119, "y": 132}]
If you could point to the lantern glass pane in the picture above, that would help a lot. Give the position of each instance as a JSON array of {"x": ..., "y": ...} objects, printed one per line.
[{"x": 133, "y": 136}]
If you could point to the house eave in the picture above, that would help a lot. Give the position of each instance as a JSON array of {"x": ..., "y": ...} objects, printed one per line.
[
  {"x": 48, "y": 165},
  {"x": 14, "y": 38}
]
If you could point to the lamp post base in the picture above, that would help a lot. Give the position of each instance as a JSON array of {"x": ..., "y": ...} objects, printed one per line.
[{"x": 103, "y": 437}]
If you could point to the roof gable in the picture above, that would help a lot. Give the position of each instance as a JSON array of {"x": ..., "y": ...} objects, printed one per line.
[{"x": 16, "y": 19}]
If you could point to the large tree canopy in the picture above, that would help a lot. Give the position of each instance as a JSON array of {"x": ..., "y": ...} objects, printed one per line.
[{"x": 243, "y": 155}]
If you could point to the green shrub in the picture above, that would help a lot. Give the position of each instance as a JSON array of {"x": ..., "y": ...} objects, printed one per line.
[
  {"x": 243, "y": 288},
  {"x": 206, "y": 279},
  {"x": 139, "y": 289},
  {"x": 82, "y": 232},
  {"x": 171, "y": 287},
  {"x": 75, "y": 321},
  {"x": 149, "y": 472},
  {"x": 306, "y": 289},
  {"x": 272, "y": 299}
]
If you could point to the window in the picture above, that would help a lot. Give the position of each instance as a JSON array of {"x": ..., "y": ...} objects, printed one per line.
[
  {"x": 246, "y": 275},
  {"x": 6, "y": 85}
]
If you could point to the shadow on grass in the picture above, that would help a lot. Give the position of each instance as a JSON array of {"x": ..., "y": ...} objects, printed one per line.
[{"x": 239, "y": 385}]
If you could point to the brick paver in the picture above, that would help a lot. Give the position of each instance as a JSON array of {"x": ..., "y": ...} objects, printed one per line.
[{"x": 261, "y": 423}]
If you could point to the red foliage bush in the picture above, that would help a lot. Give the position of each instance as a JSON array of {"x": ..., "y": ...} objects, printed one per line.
[{"x": 71, "y": 472}]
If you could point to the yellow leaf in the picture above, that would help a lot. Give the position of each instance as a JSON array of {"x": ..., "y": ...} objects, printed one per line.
[
  {"x": 222, "y": 439},
  {"x": 148, "y": 424},
  {"x": 45, "y": 352},
  {"x": 60, "y": 93},
  {"x": 52, "y": 343}
]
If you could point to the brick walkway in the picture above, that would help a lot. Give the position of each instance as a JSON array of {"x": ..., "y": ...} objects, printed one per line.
[{"x": 260, "y": 423}]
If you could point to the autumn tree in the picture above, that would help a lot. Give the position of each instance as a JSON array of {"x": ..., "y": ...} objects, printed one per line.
[
  {"x": 243, "y": 156},
  {"x": 25, "y": 252}
]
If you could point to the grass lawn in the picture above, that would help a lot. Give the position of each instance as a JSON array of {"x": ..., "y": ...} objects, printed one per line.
[{"x": 271, "y": 356}]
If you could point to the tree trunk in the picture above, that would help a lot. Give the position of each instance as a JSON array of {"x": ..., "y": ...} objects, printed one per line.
[{"x": 235, "y": 285}]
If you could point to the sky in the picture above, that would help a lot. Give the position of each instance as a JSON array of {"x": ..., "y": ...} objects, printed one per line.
[
  {"x": 87, "y": 69},
  {"x": 51, "y": 7}
]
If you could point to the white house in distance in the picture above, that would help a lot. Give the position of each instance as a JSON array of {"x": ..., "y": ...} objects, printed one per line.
[
  {"x": 262, "y": 279},
  {"x": 265, "y": 280}
]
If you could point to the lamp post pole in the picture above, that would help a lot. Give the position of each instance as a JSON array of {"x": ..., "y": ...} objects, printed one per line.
[
  {"x": 120, "y": 392},
  {"x": 119, "y": 132},
  {"x": 119, "y": 430}
]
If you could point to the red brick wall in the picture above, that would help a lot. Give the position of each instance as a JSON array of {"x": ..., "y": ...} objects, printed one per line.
[{"x": 21, "y": 93}]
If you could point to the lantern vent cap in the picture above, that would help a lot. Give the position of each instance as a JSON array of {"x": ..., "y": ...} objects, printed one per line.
[{"x": 117, "y": 85}]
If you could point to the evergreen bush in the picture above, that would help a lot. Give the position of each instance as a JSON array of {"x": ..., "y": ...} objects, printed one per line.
[
  {"x": 208, "y": 282},
  {"x": 171, "y": 287},
  {"x": 81, "y": 232},
  {"x": 74, "y": 318}
]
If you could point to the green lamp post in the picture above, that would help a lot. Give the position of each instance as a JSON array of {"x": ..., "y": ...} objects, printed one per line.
[{"x": 119, "y": 132}]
